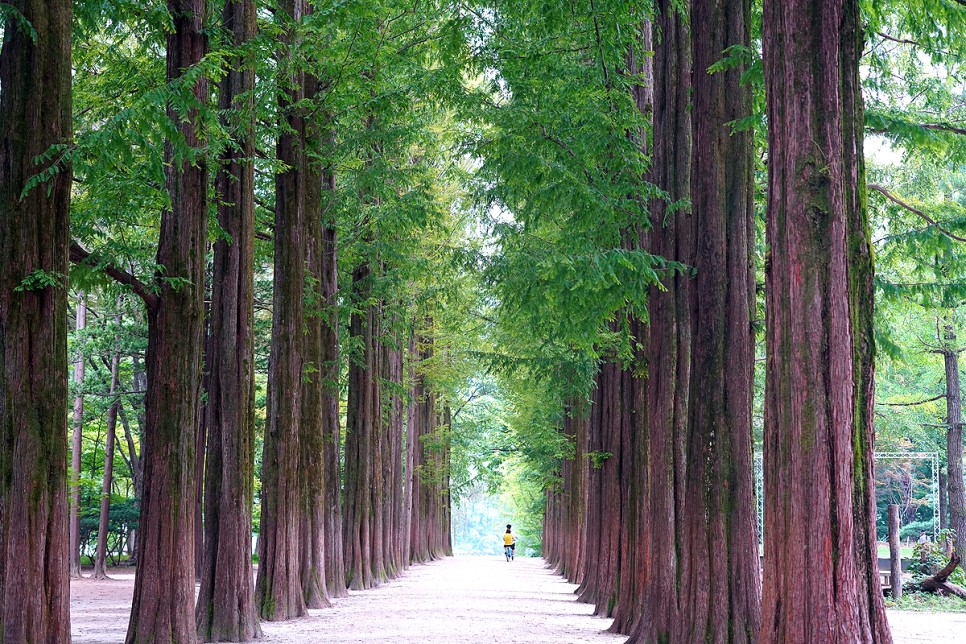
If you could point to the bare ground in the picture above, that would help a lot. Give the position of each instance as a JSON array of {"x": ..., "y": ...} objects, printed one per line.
[{"x": 456, "y": 600}]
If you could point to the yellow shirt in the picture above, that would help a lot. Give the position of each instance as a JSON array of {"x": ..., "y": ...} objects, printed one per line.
[{"x": 507, "y": 539}]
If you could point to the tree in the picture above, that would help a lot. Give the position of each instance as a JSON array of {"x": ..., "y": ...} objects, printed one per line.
[
  {"x": 278, "y": 588},
  {"x": 35, "y": 183},
  {"x": 164, "y": 584},
  {"x": 671, "y": 312},
  {"x": 226, "y": 609},
  {"x": 819, "y": 505},
  {"x": 720, "y": 574},
  {"x": 315, "y": 404}
]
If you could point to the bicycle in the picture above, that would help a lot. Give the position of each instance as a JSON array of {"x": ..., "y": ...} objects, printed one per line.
[{"x": 508, "y": 551}]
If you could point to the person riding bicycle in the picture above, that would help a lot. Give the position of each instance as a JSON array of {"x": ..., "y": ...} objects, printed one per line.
[{"x": 510, "y": 541}]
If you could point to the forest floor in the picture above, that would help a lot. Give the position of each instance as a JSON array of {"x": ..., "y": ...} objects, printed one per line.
[{"x": 456, "y": 600}]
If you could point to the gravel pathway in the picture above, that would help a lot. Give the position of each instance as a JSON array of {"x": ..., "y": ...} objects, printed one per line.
[{"x": 456, "y": 600}]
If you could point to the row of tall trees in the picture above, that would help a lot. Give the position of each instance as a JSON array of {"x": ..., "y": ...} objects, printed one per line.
[
  {"x": 692, "y": 569},
  {"x": 216, "y": 107}
]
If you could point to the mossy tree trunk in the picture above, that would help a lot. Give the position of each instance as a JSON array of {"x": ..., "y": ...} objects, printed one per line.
[
  {"x": 226, "y": 610},
  {"x": 720, "y": 592},
  {"x": 163, "y": 607},
  {"x": 331, "y": 431},
  {"x": 820, "y": 576},
  {"x": 670, "y": 310},
  {"x": 363, "y": 418},
  {"x": 35, "y": 114},
  {"x": 278, "y": 587},
  {"x": 311, "y": 435}
]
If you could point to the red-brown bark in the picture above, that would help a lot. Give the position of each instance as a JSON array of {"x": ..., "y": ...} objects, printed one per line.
[
  {"x": 225, "y": 611},
  {"x": 164, "y": 585},
  {"x": 720, "y": 591},
  {"x": 311, "y": 436},
  {"x": 331, "y": 431},
  {"x": 820, "y": 577},
  {"x": 670, "y": 311},
  {"x": 363, "y": 419},
  {"x": 35, "y": 114},
  {"x": 278, "y": 587},
  {"x": 429, "y": 475}
]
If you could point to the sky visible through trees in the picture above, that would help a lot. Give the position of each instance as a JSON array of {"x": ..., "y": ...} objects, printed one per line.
[{"x": 295, "y": 294}]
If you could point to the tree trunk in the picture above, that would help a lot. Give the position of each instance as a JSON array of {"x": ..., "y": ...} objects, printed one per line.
[
  {"x": 201, "y": 440},
  {"x": 894, "y": 557},
  {"x": 163, "y": 603},
  {"x": 632, "y": 411},
  {"x": 311, "y": 436},
  {"x": 671, "y": 327},
  {"x": 821, "y": 576},
  {"x": 331, "y": 431},
  {"x": 956, "y": 502},
  {"x": 100, "y": 556},
  {"x": 720, "y": 593},
  {"x": 35, "y": 100},
  {"x": 278, "y": 589},
  {"x": 943, "y": 498},
  {"x": 77, "y": 445},
  {"x": 363, "y": 419},
  {"x": 226, "y": 610}
]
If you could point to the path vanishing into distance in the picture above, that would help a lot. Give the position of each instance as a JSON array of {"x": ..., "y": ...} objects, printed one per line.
[{"x": 459, "y": 599}]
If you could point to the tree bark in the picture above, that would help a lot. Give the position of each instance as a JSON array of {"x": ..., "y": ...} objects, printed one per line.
[
  {"x": 35, "y": 114},
  {"x": 720, "y": 592},
  {"x": 670, "y": 309},
  {"x": 164, "y": 585},
  {"x": 943, "y": 499},
  {"x": 312, "y": 426},
  {"x": 331, "y": 431},
  {"x": 278, "y": 588},
  {"x": 100, "y": 556},
  {"x": 363, "y": 420},
  {"x": 956, "y": 502},
  {"x": 894, "y": 557},
  {"x": 632, "y": 412},
  {"x": 225, "y": 611},
  {"x": 77, "y": 444},
  {"x": 820, "y": 579}
]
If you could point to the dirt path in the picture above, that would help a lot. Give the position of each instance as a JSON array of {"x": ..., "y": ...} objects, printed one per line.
[{"x": 456, "y": 600}]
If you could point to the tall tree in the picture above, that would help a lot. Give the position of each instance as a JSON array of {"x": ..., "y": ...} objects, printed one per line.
[
  {"x": 363, "y": 423},
  {"x": 720, "y": 575},
  {"x": 955, "y": 503},
  {"x": 226, "y": 600},
  {"x": 35, "y": 183},
  {"x": 671, "y": 310},
  {"x": 820, "y": 578},
  {"x": 77, "y": 442},
  {"x": 164, "y": 585},
  {"x": 278, "y": 587},
  {"x": 314, "y": 401},
  {"x": 331, "y": 431}
]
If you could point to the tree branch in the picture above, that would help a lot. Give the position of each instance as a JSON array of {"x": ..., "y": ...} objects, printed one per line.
[
  {"x": 896, "y": 200},
  {"x": 901, "y": 41},
  {"x": 85, "y": 258},
  {"x": 913, "y": 404},
  {"x": 944, "y": 127}
]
